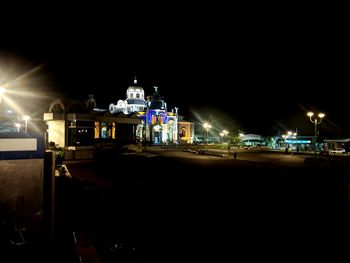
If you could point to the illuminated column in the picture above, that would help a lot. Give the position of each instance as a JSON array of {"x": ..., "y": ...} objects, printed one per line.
[
  {"x": 18, "y": 126},
  {"x": 2, "y": 91},
  {"x": 316, "y": 121},
  {"x": 206, "y": 126},
  {"x": 26, "y": 119}
]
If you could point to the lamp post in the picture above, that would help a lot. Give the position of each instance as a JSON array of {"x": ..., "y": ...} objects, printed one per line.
[
  {"x": 223, "y": 134},
  {"x": 18, "y": 126},
  {"x": 293, "y": 137},
  {"x": 26, "y": 118},
  {"x": 206, "y": 126},
  {"x": 241, "y": 135},
  {"x": 2, "y": 91},
  {"x": 316, "y": 121}
]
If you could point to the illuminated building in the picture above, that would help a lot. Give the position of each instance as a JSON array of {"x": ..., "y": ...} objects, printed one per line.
[
  {"x": 80, "y": 125},
  {"x": 158, "y": 124}
]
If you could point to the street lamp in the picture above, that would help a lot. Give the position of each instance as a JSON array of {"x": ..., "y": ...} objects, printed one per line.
[
  {"x": 26, "y": 118},
  {"x": 18, "y": 126},
  {"x": 293, "y": 137},
  {"x": 206, "y": 126},
  {"x": 2, "y": 91},
  {"x": 223, "y": 134},
  {"x": 316, "y": 121}
]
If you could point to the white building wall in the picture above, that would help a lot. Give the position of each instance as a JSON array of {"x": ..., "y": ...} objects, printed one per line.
[{"x": 57, "y": 132}]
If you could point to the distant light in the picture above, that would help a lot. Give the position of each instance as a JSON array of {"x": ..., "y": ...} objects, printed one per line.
[
  {"x": 297, "y": 141},
  {"x": 310, "y": 114},
  {"x": 135, "y": 80},
  {"x": 321, "y": 115},
  {"x": 99, "y": 110},
  {"x": 9, "y": 111},
  {"x": 2, "y": 90},
  {"x": 18, "y": 126},
  {"x": 157, "y": 128}
]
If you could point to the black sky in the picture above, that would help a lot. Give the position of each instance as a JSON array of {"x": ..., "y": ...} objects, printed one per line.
[{"x": 258, "y": 72}]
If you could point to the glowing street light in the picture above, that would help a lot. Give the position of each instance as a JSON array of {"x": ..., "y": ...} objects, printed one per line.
[
  {"x": 223, "y": 134},
  {"x": 292, "y": 136},
  {"x": 206, "y": 126},
  {"x": 316, "y": 121},
  {"x": 26, "y": 119},
  {"x": 2, "y": 91},
  {"x": 18, "y": 126}
]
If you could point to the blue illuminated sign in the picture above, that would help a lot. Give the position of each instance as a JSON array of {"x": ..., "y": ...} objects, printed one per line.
[{"x": 297, "y": 141}]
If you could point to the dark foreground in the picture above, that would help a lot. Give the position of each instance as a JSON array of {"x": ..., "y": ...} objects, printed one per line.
[
  {"x": 142, "y": 209},
  {"x": 128, "y": 208}
]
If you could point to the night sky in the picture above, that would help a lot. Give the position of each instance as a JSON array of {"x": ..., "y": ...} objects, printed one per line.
[{"x": 260, "y": 74}]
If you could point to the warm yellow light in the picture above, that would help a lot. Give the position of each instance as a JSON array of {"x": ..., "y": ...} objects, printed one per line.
[
  {"x": 290, "y": 133},
  {"x": 241, "y": 134},
  {"x": 26, "y": 117},
  {"x": 310, "y": 114},
  {"x": 18, "y": 126},
  {"x": 321, "y": 115},
  {"x": 2, "y": 90},
  {"x": 206, "y": 125}
]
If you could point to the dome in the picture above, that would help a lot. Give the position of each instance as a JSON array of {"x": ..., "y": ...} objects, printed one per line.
[
  {"x": 135, "y": 88},
  {"x": 135, "y": 92}
]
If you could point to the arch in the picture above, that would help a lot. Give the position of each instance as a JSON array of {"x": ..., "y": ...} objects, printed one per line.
[
  {"x": 183, "y": 132},
  {"x": 57, "y": 106},
  {"x": 157, "y": 134},
  {"x": 138, "y": 95},
  {"x": 91, "y": 103}
]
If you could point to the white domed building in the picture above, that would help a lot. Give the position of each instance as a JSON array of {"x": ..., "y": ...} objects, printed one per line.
[
  {"x": 135, "y": 100},
  {"x": 158, "y": 125}
]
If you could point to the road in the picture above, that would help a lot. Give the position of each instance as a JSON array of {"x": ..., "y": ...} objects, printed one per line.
[
  {"x": 268, "y": 158},
  {"x": 168, "y": 205}
]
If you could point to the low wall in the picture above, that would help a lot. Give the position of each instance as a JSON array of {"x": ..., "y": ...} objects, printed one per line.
[
  {"x": 79, "y": 154},
  {"x": 22, "y": 178}
]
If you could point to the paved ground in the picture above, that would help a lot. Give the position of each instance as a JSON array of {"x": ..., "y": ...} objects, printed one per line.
[{"x": 168, "y": 205}]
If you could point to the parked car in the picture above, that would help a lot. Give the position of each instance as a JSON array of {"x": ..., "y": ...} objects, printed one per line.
[{"x": 338, "y": 151}]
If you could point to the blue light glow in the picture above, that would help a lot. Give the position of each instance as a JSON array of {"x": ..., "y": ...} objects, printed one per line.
[{"x": 297, "y": 141}]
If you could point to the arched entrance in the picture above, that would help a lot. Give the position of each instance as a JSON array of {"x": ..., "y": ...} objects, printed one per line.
[
  {"x": 157, "y": 134},
  {"x": 171, "y": 131}
]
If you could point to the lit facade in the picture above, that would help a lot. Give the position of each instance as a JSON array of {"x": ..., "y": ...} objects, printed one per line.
[
  {"x": 158, "y": 125},
  {"x": 76, "y": 125}
]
